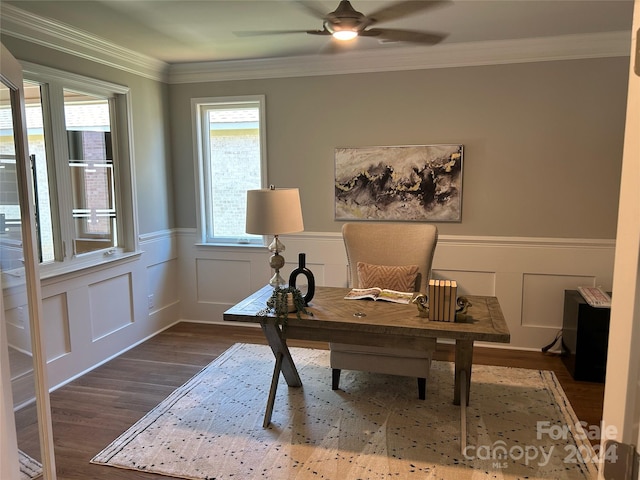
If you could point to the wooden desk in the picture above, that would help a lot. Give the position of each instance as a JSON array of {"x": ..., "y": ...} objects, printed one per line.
[{"x": 383, "y": 324}]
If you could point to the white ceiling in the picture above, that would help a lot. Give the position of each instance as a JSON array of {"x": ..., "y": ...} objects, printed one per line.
[{"x": 186, "y": 31}]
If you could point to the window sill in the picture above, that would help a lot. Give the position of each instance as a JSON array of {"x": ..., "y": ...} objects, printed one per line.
[
  {"x": 230, "y": 245},
  {"x": 59, "y": 271}
]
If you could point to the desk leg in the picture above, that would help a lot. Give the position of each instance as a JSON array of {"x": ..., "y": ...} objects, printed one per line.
[
  {"x": 464, "y": 358},
  {"x": 272, "y": 391},
  {"x": 463, "y": 413},
  {"x": 284, "y": 363}
]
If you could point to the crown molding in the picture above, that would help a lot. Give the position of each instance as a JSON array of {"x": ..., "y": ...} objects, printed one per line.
[
  {"x": 567, "y": 47},
  {"x": 58, "y": 36}
]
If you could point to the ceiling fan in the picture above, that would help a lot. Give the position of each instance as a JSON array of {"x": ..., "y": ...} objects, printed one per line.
[{"x": 346, "y": 23}]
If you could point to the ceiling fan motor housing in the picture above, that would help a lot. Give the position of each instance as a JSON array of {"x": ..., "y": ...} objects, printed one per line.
[{"x": 345, "y": 17}]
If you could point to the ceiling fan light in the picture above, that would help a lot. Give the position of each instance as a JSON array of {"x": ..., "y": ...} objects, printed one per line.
[{"x": 345, "y": 35}]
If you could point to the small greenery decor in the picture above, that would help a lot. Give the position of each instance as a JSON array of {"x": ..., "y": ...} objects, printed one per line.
[{"x": 278, "y": 304}]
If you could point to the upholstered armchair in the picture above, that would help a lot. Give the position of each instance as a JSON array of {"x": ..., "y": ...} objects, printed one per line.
[{"x": 408, "y": 249}]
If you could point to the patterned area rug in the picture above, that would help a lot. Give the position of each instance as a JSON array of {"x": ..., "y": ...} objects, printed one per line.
[
  {"x": 519, "y": 424},
  {"x": 29, "y": 467}
]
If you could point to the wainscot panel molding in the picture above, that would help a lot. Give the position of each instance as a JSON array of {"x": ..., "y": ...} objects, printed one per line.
[
  {"x": 528, "y": 275},
  {"x": 94, "y": 315}
]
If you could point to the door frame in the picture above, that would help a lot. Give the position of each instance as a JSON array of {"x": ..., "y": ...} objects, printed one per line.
[{"x": 11, "y": 76}]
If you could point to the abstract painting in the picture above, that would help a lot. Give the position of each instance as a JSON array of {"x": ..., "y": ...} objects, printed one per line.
[{"x": 407, "y": 183}]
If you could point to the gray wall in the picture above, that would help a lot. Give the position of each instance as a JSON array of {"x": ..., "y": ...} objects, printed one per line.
[
  {"x": 543, "y": 141},
  {"x": 150, "y": 129}
]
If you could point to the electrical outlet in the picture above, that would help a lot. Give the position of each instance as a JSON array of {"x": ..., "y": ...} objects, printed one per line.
[{"x": 151, "y": 301}]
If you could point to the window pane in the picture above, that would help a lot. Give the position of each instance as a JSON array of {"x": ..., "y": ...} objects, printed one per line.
[
  {"x": 35, "y": 133},
  {"x": 88, "y": 126},
  {"x": 234, "y": 140},
  {"x": 10, "y": 224}
]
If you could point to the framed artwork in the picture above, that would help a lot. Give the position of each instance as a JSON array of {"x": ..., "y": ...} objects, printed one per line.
[{"x": 402, "y": 183}]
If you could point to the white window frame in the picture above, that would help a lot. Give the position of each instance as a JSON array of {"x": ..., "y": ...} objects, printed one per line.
[
  {"x": 201, "y": 150},
  {"x": 53, "y": 83}
]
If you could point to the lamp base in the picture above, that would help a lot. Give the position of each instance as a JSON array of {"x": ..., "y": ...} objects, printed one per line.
[
  {"x": 276, "y": 261},
  {"x": 277, "y": 280}
]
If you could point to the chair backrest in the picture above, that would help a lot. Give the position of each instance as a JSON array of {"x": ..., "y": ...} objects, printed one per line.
[{"x": 391, "y": 244}]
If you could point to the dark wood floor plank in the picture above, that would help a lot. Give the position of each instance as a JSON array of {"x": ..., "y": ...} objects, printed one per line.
[{"x": 93, "y": 410}]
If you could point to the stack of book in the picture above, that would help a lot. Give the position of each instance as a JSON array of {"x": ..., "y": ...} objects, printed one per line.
[{"x": 442, "y": 300}]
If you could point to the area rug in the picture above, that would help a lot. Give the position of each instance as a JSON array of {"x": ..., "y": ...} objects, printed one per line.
[
  {"x": 519, "y": 425},
  {"x": 30, "y": 468}
]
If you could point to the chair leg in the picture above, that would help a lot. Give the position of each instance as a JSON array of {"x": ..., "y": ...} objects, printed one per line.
[
  {"x": 335, "y": 378},
  {"x": 422, "y": 388}
]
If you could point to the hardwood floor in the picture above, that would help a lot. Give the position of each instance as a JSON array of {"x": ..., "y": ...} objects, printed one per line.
[{"x": 90, "y": 412}]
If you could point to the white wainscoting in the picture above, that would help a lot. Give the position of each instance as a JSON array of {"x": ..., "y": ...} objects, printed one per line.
[
  {"x": 528, "y": 275},
  {"x": 96, "y": 314}
]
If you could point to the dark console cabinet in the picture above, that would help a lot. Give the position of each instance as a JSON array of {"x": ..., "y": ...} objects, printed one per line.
[{"x": 585, "y": 335}]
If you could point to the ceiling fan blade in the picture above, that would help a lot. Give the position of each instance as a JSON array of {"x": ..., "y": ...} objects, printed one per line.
[
  {"x": 412, "y": 36},
  {"x": 403, "y": 9},
  {"x": 318, "y": 32},
  {"x": 258, "y": 33},
  {"x": 314, "y": 8}
]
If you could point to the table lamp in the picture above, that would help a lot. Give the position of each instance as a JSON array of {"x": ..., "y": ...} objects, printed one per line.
[{"x": 274, "y": 211}]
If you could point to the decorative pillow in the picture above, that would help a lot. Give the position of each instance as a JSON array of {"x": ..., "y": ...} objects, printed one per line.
[{"x": 401, "y": 278}]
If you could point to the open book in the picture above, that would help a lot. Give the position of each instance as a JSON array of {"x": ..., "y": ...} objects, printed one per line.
[{"x": 379, "y": 294}]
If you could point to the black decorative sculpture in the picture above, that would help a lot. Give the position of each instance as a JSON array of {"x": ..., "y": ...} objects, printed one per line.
[{"x": 311, "y": 283}]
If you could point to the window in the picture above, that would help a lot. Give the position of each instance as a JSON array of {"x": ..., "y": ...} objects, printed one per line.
[
  {"x": 90, "y": 146},
  {"x": 230, "y": 144},
  {"x": 78, "y": 136}
]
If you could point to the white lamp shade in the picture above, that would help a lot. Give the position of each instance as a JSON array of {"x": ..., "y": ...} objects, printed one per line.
[{"x": 274, "y": 211}]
